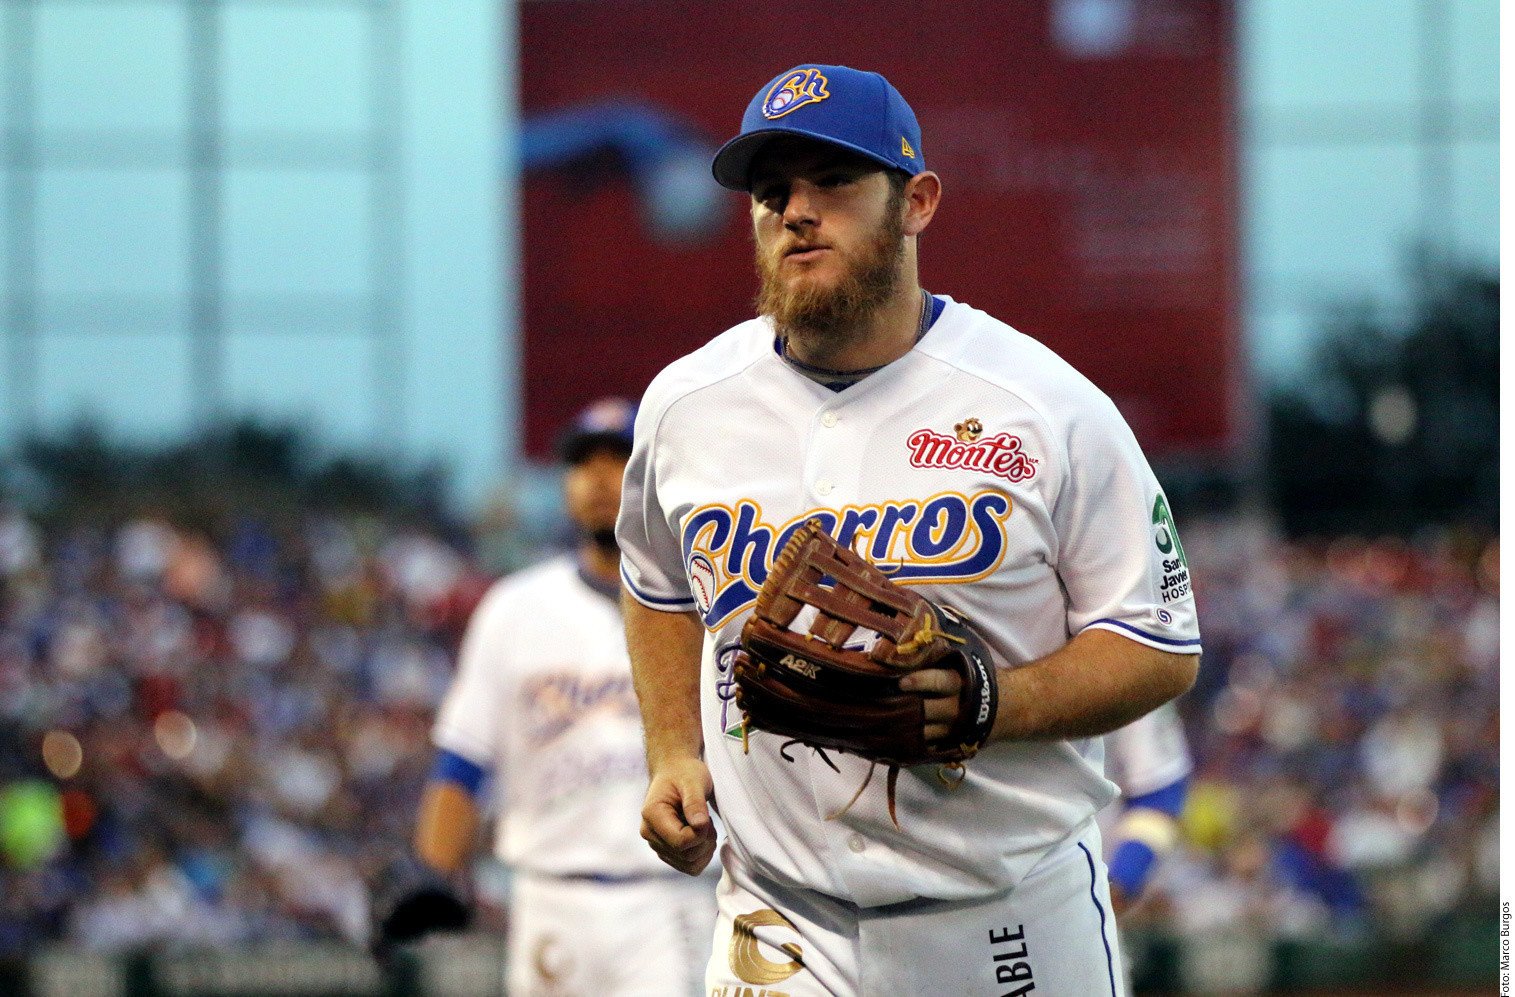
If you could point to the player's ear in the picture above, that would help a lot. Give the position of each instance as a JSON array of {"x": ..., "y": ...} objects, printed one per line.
[{"x": 923, "y": 192}]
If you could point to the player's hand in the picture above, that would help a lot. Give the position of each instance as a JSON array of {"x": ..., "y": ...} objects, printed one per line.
[
  {"x": 1119, "y": 902},
  {"x": 941, "y": 687},
  {"x": 676, "y": 816}
]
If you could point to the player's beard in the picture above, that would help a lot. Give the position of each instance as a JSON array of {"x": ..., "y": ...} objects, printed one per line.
[{"x": 824, "y": 318}]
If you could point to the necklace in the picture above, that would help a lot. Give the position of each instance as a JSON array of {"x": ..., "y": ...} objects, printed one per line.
[{"x": 925, "y": 322}]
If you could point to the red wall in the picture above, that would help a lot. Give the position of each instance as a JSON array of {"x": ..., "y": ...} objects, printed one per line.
[{"x": 1089, "y": 202}]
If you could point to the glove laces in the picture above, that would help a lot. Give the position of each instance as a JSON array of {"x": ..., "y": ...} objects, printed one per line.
[{"x": 949, "y": 774}]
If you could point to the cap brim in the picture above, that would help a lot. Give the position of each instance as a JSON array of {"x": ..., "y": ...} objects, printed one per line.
[{"x": 733, "y": 161}]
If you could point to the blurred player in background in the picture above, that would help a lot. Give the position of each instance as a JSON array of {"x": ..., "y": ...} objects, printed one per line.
[
  {"x": 1149, "y": 760},
  {"x": 541, "y": 714}
]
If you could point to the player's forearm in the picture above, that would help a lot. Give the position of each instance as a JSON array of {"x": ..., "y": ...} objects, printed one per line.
[
  {"x": 665, "y": 669},
  {"x": 445, "y": 827},
  {"x": 1096, "y": 683}
]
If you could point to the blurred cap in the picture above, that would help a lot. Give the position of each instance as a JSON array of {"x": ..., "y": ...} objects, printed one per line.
[
  {"x": 850, "y": 108},
  {"x": 605, "y": 423}
]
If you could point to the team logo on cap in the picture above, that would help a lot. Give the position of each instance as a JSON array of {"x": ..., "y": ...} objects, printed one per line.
[
  {"x": 608, "y": 415},
  {"x": 794, "y": 91}
]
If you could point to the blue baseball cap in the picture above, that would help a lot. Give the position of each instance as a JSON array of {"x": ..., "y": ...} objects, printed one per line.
[
  {"x": 859, "y": 111},
  {"x": 604, "y": 424}
]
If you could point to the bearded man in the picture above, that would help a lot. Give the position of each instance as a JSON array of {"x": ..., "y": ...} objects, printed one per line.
[{"x": 974, "y": 467}]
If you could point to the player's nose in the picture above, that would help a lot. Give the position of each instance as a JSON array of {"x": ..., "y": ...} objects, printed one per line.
[{"x": 800, "y": 207}]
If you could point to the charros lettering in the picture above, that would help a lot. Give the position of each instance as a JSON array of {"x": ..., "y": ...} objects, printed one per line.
[
  {"x": 943, "y": 539},
  {"x": 1000, "y": 455},
  {"x": 794, "y": 91},
  {"x": 559, "y": 700}
]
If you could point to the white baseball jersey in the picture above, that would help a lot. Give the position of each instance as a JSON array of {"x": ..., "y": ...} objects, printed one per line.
[
  {"x": 980, "y": 467},
  {"x": 1149, "y": 753},
  {"x": 543, "y": 700}
]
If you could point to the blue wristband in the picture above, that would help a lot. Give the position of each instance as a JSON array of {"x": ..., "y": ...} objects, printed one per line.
[
  {"x": 1149, "y": 825},
  {"x": 1168, "y": 800},
  {"x": 454, "y": 768},
  {"x": 1130, "y": 866}
]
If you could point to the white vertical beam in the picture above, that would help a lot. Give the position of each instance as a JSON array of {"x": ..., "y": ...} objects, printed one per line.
[{"x": 462, "y": 244}]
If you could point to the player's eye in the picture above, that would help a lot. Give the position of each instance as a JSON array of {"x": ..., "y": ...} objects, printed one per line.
[{"x": 771, "y": 196}]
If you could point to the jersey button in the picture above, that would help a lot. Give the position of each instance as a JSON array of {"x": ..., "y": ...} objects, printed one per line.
[
  {"x": 823, "y": 487},
  {"x": 856, "y": 843},
  {"x": 828, "y": 419}
]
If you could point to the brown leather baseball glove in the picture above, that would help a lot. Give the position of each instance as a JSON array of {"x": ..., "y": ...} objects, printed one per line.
[{"x": 826, "y": 646}]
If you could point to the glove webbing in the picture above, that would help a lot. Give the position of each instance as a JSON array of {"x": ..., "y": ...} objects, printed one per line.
[{"x": 867, "y": 600}]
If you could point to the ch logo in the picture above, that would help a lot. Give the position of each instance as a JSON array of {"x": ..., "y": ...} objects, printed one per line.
[
  {"x": 794, "y": 91},
  {"x": 749, "y": 963}
]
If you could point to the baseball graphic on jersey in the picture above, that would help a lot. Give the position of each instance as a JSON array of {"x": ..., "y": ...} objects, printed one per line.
[{"x": 702, "y": 581}]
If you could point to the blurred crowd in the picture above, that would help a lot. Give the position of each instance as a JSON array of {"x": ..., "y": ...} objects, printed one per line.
[
  {"x": 216, "y": 739},
  {"x": 1345, "y": 728}
]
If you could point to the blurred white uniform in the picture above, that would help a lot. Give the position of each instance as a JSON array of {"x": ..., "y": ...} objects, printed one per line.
[
  {"x": 1147, "y": 759},
  {"x": 543, "y": 701},
  {"x": 1148, "y": 754}
]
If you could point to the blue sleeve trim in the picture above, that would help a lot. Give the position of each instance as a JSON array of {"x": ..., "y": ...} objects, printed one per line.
[
  {"x": 453, "y": 767},
  {"x": 1130, "y": 866},
  {"x": 1142, "y": 633},
  {"x": 1168, "y": 800},
  {"x": 653, "y": 599}
]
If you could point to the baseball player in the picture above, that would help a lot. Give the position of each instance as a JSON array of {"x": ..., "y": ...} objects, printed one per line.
[
  {"x": 543, "y": 705},
  {"x": 1149, "y": 760},
  {"x": 976, "y": 468}
]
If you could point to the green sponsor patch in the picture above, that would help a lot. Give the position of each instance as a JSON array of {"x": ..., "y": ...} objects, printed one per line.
[{"x": 1164, "y": 533}]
